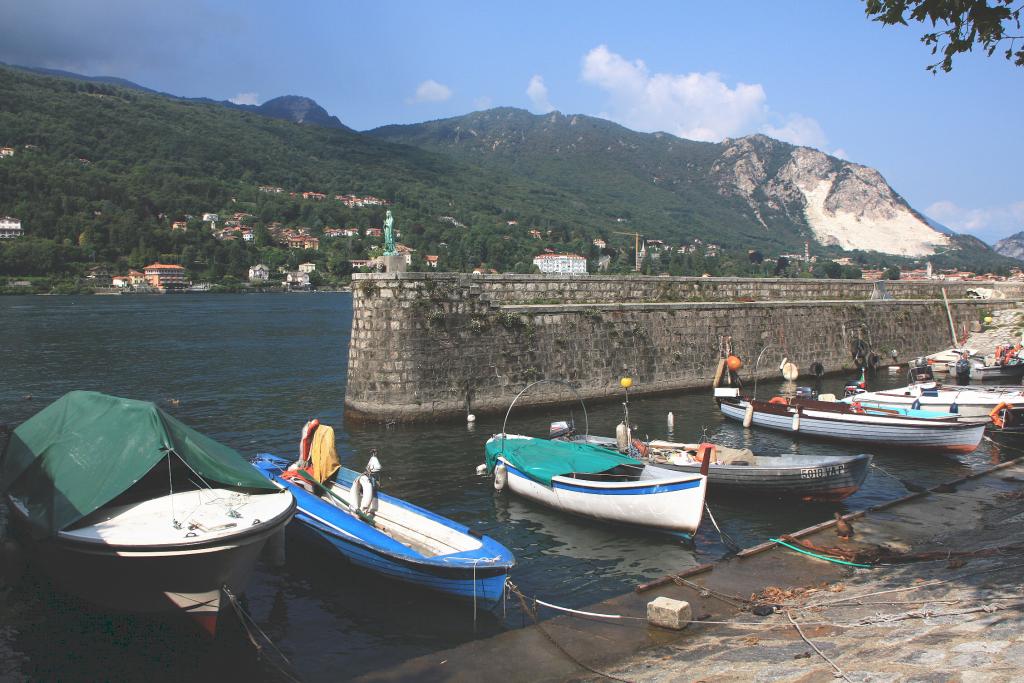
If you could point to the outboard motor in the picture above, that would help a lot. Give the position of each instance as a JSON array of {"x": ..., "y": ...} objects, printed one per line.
[
  {"x": 963, "y": 371},
  {"x": 806, "y": 392},
  {"x": 852, "y": 387},
  {"x": 562, "y": 428},
  {"x": 921, "y": 373}
]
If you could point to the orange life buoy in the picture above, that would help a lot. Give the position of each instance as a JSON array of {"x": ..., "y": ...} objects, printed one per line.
[
  {"x": 997, "y": 413},
  {"x": 779, "y": 400},
  {"x": 706, "y": 450}
]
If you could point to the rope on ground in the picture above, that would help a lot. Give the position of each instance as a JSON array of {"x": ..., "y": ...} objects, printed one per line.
[
  {"x": 819, "y": 556},
  {"x": 926, "y": 584},
  {"x": 731, "y": 600},
  {"x": 839, "y": 672},
  {"x": 533, "y": 615},
  {"x": 287, "y": 670}
]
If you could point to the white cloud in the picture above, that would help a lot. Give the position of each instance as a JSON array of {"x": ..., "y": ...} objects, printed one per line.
[
  {"x": 990, "y": 223},
  {"x": 841, "y": 154},
  {"x": 482, "y": 102},
  {"x": 698, "y": 106},
  {"x": 538, "y": 94},
  {"x": 245, "y": 98},
  {"x": 799, "y": 130},
  {"x": 431, "y": 91}
]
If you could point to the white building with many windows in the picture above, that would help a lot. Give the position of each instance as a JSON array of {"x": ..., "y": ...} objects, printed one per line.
[
  {"x": 10, "y": 228},
  {"x": 563, "y": 264}
]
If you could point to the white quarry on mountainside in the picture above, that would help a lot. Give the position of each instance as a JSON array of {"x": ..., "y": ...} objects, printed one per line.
[
  {"x": 855, "y": 208},
  {"x": 844, "y": 204}
]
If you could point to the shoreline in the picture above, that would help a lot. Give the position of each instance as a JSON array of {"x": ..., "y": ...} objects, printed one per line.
[{"x": 935, "y": 617}]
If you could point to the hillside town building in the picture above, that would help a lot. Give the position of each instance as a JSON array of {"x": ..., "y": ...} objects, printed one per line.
[
  {"x": 307, "y": 267},
  {"x": 10, "y": 228},
  {"x": 165, "y": 276},
  {"x": 566, "y": 264},
  {"x": 259, "y": 273},
  {"x": 6, "y": 151}
]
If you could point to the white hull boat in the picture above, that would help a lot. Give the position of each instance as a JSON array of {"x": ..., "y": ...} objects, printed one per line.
[
  {"x": 969, "y": 401},
  {"x": 131, "y": 558},
  {"x": 594, "y": 482},
  {"x": 861, "y": 423},
  {"x": 131, "y": 510}
]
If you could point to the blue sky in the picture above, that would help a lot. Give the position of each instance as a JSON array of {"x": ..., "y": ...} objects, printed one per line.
[{"x": 812, "y": 73}]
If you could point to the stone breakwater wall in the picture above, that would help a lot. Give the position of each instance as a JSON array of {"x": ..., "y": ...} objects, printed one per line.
[{"x": 428, "y": 346}]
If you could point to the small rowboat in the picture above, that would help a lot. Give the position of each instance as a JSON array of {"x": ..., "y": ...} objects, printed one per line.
[
  {"x": 595, "y": 482},
  {"x": 398, "y": 540},
  {"x": 861, "y": 422},
  {"x": 969, "y": 401},
  {"x": 738, "y": 471}
]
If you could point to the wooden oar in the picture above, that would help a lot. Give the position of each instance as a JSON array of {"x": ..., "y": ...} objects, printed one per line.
[{"x": 356, "y": 511}]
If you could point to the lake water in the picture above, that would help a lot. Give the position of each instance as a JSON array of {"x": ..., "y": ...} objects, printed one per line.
[{"x": 249, "y": 370}]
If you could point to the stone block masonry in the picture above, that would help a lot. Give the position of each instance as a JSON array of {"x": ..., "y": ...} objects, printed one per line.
[{"x": 429, "y": 346}]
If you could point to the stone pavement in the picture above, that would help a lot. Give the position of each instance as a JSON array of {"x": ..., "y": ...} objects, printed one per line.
[{"x": 958, "y": 618}]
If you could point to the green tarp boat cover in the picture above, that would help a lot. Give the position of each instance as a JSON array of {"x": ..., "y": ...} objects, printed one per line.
[
  {"x": 86, "y": 448},
  {"x": 541, "y": 459}
]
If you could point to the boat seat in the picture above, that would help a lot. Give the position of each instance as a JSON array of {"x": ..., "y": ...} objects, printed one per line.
[{"x": 827, "y": 398}]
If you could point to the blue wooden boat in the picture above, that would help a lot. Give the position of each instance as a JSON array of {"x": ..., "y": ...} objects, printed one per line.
[{"x": 398, "y": 540}]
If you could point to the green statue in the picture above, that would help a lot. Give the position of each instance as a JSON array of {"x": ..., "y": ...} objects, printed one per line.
[{"x": 389, "y": 235}]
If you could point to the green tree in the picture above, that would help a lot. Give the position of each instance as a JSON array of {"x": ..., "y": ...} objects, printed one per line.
[{"x": 958, "y": 25}]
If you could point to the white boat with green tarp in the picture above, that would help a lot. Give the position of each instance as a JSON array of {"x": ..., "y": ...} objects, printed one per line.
[
  {"x": 596, "y": 482},
  {"x": 132, "y": 510}
]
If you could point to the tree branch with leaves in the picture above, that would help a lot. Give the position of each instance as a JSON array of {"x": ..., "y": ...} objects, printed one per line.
[{"x": 959, "y": 25}]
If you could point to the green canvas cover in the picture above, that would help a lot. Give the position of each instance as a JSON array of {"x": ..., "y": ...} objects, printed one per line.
[
  {"x": 86, "y": 448},
  {"x": 541, "y": 459}
]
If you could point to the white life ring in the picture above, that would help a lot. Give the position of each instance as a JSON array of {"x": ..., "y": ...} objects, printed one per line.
[{"x": 363, "y": 494}]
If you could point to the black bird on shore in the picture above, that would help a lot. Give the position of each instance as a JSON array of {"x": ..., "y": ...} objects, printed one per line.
[{"x": 843, "y": 528}]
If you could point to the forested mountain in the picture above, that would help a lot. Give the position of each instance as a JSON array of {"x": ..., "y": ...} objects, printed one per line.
[
  {"x": 751, "y": 190},
  {"x": 101, "y": 171}
]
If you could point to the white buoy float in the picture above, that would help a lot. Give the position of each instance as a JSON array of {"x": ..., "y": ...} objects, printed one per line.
[
  {"x": 789, "y": 370},
  {"x": 481, "y": 469},
  {"x": 796, "y": 421},
  {"x": 621, "y": 437},
  {"x": 500, "y": 476},
  {"x": 670, "y": 422},
  {"x": 470, "y": 417},
  {"x": 748, "y": 416}
]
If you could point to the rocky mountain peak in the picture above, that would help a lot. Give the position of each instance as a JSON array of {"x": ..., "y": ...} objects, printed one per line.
[
  {"x": 300, "y": 110},
  {"x": 1012, "y": 246},
  {"x": 843, "y": 204}
]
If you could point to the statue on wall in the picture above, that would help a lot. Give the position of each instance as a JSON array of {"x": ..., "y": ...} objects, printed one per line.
[{"x": 389, "y": 235}]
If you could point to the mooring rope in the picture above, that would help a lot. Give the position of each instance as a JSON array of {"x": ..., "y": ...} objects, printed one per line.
[
  {"x": 819, "y": 556},
  {"x": 533, "y": 615},
  {"x": 250, "y": 625},
  {"x": 839, "y": 672}
]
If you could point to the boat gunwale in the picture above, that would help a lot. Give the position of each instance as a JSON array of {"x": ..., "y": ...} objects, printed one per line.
[
  {"x": 500, "y": 559},
  {"x": 190, "y": 545}
]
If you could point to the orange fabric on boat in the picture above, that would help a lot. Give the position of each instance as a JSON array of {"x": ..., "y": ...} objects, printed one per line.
[
  {"x": 779, "y": 400},
  {"x": 324, "y": 454}
]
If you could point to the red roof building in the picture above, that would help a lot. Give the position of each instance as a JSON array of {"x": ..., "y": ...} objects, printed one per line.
[{"x": 165, "y": 275}]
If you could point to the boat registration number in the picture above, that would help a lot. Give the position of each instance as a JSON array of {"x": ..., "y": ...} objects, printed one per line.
[{"x": 821, "y": 472}]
